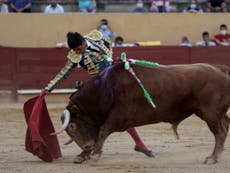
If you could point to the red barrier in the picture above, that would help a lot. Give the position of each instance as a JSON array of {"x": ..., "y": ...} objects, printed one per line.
[
  {"x": 213, "y": 55},
  {"x": 7, "y": 67},
  {"x": 33, "y": 68},
  {"x": 160, "y": 54}
]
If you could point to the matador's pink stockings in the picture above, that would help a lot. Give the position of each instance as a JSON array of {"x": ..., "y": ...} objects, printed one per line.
[{"x": 140, "y": 146}]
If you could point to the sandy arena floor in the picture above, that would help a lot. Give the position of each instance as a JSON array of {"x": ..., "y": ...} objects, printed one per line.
[{"x": 172, "y": 156}]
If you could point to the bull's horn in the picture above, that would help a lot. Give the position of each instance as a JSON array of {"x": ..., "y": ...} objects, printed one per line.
[
  {"x": 66, "y": 114},
  {"x": 69, "y": 141}
]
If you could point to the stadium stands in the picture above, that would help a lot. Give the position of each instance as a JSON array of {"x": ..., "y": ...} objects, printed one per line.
[{"x": 111, "y": 5}]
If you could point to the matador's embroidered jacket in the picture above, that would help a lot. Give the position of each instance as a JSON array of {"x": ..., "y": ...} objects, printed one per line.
[{"x": 96, "y": 58}]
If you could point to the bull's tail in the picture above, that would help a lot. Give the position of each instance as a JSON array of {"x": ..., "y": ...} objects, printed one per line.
[{"x": 174, "y": 128}]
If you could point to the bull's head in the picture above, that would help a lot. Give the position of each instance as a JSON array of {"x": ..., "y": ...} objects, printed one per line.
[{"x": 78, "y": 128}]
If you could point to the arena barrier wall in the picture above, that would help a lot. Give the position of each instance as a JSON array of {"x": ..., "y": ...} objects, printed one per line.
[{"x": 33, "y": 68}]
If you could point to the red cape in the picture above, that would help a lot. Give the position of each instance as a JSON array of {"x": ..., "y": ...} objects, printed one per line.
[{"x": 38, "y": 139}]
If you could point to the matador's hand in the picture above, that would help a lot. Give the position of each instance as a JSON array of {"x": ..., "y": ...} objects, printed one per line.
[{"x": 44, "y": 92}]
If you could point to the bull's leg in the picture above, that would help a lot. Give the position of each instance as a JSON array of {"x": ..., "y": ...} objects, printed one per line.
[
  {"x": 103, "y": 134},
  {"x": 140, "y": 146},
  {"x": 82, "y": 157},
  {"x": 219, "y": 128}
]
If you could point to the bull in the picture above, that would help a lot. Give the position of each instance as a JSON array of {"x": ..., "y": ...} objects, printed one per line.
[{"x": 113, "y": 102}]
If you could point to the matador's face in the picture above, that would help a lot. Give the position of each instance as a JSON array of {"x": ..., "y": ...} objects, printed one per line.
[{"x": 81, "y": 49}]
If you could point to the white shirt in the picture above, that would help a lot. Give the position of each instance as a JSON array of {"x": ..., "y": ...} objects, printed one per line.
[
  {"x": 202, "y": 43},
  {"x": 186, "y": 44},
  {"x": 58, "y": 9},
  {"x": 4, "y": 8}
]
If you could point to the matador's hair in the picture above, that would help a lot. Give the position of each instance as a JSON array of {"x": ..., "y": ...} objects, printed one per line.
[{"x": 74, "y": 39}]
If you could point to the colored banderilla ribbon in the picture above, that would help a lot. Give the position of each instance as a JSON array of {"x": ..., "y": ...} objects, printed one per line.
[
  {"x": 130, "y": 69},
  {"x": 144, "y": 63}
]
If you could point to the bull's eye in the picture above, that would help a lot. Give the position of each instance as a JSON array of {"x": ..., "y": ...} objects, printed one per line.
[{"x": 72, "y": 127}]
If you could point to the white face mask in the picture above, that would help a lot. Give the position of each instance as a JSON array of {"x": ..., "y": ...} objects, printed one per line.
[
  {"x": 140, "y": 5},
  {"x": 193, "y": 6},
  {"x": 223, "y": 32}
]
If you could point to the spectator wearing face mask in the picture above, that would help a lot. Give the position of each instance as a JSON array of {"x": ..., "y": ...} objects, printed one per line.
[
  {"x": 223, "y": 37},
  {"x": 54, "y": 7},
  {"x": 193, "y": 7},
  {"x": 139, "y": 8},
  {"x": 106, "y": 30}
]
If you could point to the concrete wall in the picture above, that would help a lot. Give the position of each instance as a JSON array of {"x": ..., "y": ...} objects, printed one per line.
[{"x": 42, "y": 30}]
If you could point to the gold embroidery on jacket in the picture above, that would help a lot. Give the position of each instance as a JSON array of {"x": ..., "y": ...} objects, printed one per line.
[
  {"x": 97, "y": 39},
  {"x": 63, "y": 74},
  {"x": 94, "y": 35},
  {"x": 95, "y": 56},
  {"x": 74, "y": 57},
  {"x": 91, "y": 59},
  {"x": 94, "y": 70}
]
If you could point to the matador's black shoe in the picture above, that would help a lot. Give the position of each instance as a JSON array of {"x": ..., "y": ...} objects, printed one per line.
[{"x": 148, "y": 153}]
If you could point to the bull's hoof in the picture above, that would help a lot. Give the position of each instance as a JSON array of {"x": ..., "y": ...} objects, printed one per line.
[
  {"x": 210, "y": 160},
  {"x": 95, "y": 157},
  {"x": 79, "y": 160},
  {"x": 148, "y": 153}
]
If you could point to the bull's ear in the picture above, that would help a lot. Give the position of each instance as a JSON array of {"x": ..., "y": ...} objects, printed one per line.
[{"x": 74, "y": 109}]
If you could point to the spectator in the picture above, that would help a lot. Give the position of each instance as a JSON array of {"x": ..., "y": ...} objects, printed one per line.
[
  {"x": 162, "y": 6},
  {"x": 118, "y": 41},
  {"x": 185, "y": 42},
  {"x": 206, "y": 40},
  {"x": 140, "y": 7},
  {"x": 20, "y": 6},
  {"x": 54, "y": 7},
  {"x": 106, "y": 30},
  {"x": 223, "y": 37},
  {"x": 217, "y": 6},
  {"x": 87, "y": 6},
  {"x": 3, "y": 7},
  {"x": 193, "y": 7}
]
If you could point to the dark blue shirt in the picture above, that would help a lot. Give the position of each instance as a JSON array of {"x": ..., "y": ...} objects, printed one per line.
[{"x": 20, "y": 3}]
